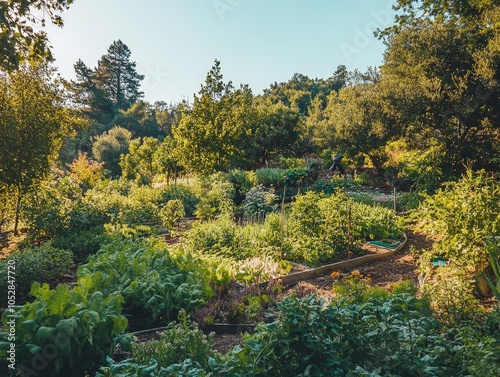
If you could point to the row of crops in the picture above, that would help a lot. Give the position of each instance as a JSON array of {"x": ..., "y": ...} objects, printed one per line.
[{"x": 128, "y": 277}]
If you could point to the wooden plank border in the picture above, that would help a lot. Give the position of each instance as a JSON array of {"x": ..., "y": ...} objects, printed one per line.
[{"x": 296, "y": 277}]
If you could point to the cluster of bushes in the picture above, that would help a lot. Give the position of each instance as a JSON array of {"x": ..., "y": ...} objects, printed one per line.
[
  {"x": 45, "y": 264},
  {"x": 371, "y": 333},
  {"x": 319, "y": 227},
  {"x": 81, "y": 221},
  {"x": 461, "y": 216}
]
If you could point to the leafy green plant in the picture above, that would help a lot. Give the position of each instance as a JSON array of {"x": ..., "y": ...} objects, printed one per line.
[
  {"x": 451, "y": 294},
  {"x": 270, "y": 177},
  {"x": 259, "y": 201},
  {"x": 171, "y": 213},
  {"x": 221, "y": 237},
  {"x": 44, "y": 264},
  {"x": 182, "y": 340},
  {"x": 324, "y": 186},
  {"x": 459, "y": 217},
  {"x": 65, "y": 332},
  {"x": 238, "y": 304},
  {"x": 215, "y": 199},
  {"x": 242, "y": 182},
  {"x": 82, "y": 243},
  {"x": 46, "y": 211},
  {"x": 493, "y": 248},
  {"x": 128, "y": 368},
  {"x": 181, "y": 192},
  {"x": 295, "y": 177},
  {"x": 151, "y": 278}
]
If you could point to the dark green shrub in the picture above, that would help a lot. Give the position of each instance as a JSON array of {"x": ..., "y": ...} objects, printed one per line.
[
  {"x": 323, "y": 186},
  {"x": 182, "y": 192},
  {"x": 270, "y": 177},
  {"x": 295, "y": 177},
  {"x": 44, "y": 264},
  {"x": 82, "y": 243},
  {"x": 242, "y": 182}
]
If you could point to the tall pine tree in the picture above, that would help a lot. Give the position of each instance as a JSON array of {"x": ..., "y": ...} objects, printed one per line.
[
  {"x": 113, "y": 85},
  {"x": 116, "y": 75}
]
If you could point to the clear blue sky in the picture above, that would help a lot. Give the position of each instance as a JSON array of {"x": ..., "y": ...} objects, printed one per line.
[{"x": 258, "y": 42}]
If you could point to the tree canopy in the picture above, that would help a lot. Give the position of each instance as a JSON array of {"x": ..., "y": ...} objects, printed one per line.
[
  {"x": 33, "y": 122},
  {"x": 212, "y": 130},
  {"x": 441, "y": 64},
  {"x": 18, "y": 39},
  {"x": 113, "y": 85}
]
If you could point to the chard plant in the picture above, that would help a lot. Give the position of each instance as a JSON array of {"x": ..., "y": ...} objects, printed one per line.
[{"x": 65, "y": 332}]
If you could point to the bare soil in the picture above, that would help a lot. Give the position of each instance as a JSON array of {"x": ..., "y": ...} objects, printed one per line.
[{"x": 384, "y": 273}]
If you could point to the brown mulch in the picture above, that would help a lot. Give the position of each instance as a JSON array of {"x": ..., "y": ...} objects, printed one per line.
[
  {"x": 8, "y": 243},
  {"x": 384, "y": 273}
]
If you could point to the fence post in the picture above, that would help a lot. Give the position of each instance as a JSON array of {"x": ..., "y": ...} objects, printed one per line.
[
  {"x": 395, "y": 201},
  {"x": 348, "y": 230},
  {"x": 282, "y": 220}
]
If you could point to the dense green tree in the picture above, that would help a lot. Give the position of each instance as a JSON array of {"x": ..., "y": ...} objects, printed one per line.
[
  {"x": 212, "y": 131},
  {"x": 167, "y": 116},
  {"x": 33, "y": 123},
  {"x": 300, "y": 90},
  {"x": 355, "y": 122},
  {"x": 275, "y": 129},
  {"x": 109, "y": 147},
  {"x": 138, "y": 163},
  {"x": 106, "y": 96},
  {"x": 441, "y": 71},
  {"x": 19, "y": 39},
  {"x": 116, "y": 75},
  {"x": 93, "y": 101},
  {"x": 113, "y": 85},
  {"x": 141, "y": 119},
  {"x": 166, "y": 160}
]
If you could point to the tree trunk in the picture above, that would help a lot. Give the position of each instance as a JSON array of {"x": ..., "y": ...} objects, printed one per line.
[{"x": 18, "y": 210}]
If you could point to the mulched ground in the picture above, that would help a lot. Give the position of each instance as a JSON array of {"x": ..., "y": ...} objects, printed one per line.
[{"x": 384, "y": 273}]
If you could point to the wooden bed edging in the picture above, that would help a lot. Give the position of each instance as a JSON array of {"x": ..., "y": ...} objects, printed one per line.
[
  {"x": 218, "y": 328},
  {"x": 228, "y": 328},
  {"x": 323, "y": 270}
]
